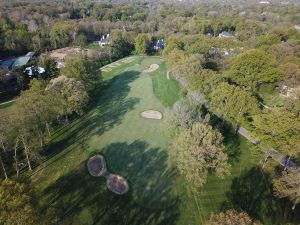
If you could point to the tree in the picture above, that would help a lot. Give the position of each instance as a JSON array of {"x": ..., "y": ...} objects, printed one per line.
[
  {"x": 171, "y": 44},
  {"x": 253, "y": 68},
  {"x": 70, "y": 93},
  {"x": 83, "y": 69},
  {"x": 16, "y": 204},
  {"x": 182, "y": 116},
  {"x": 205, "y": 81},
  {"x": 233, "y": 103},
  {"x": 198, "y": 150},
  {"x": 59, "y": 35},
  {"x": 49, "y": 64},
  {"x": 280, "y": 129},
  {"x": 292, "y": 103},
  {"x": 121, "y": 47},
  {"x": 183, "y": 66},
  {"x": 284, "y": 50},
  {"x": 291, "y": 73},
  {"x": 80, "y": 40},
  {"x": 231, "y": 217},
  {"x": 142, "y": 44},
  {"x": 288, "y": 186},
  {"x": 24, "y": 122},
  {"x": 3, "y": 139},
  {"x": 269, "y": 39}
]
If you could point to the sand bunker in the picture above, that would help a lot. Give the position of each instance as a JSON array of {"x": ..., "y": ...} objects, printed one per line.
[
  {"x": 96, "y": 166},
  {"x": 151, "y": 114},
  {"x": 152, "y": 68},
  {"x": 117, "y": 184}
]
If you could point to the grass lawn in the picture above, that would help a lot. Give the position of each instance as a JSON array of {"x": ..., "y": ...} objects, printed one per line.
[
  {"x": 6, "y": 107},
  {"x": 137, "y": 149}
]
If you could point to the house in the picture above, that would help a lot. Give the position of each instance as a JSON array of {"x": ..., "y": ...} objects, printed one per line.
[
  {"x": 104, "y": 40},
  {"x": 264, "y": 2},
  {"x": 14, "y": 62},
  {"x": 288, "y": 91},
  {"x": 34, "y": 71},
  {"x": 160, "y": 44},
  {"x": 297, "y": 27},
  {"x": 126, "y": 28},
  {"x": 225, "y": 34}
]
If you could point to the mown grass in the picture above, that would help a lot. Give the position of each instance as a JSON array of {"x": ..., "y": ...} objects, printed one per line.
[
  {"x": 137, "y": 149},
  {"x": 166, "y": 90}
]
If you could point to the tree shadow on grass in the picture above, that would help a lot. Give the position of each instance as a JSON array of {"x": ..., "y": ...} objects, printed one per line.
[
  {"x": 79, "y": 198},
  {"x": 252, "y": 192},
  {"x": 106, "y": 110},
  {"x": 231, "y": 138}
]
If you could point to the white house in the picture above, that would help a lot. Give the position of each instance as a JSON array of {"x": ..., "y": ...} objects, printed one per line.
[
  {"x": 288, "y": 91},
  {"x": 297, "y": 27},
  {"x": 225, "y": 34},
  {"x": 104, "y": 40},
  {"x": 264, "y": 2},
  {"x": 31, "y": 71}
]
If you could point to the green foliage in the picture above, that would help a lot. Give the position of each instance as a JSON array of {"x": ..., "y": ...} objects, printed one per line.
[
  {"x": 81, "y": 40},
  {"x": 253, "y": 68},
  {"x": 287, "y": 186},
  {"x": 171, "y": 44},
  {"x": 231, "y": 217},
  {"x": 269, "y": 39},
  {"x": 183, "y": 115},
  {"x": 85, "y": 70},
  {"x": 142, "y": 44},
  {"x": 70, "y": 92},
  {"x": 17, "y": 38},
  {"x": 291, "y": 73},
  {"x": 49, "y": 64},
  {"x": 198, "y": 150},
  {"x": 59, "y": 35},
  {"x": 16, "y": 205},
  {"x": 183, "y": 65},
  {"x": 121, "y": 47},
  {"x": 280, "y": 129},
  {"x": 233, "y": 103},
  {"x": 205, "y": 81}
]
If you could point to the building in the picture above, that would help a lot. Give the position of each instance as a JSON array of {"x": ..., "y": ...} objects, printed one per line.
[
  {"x": 13, "y": 62},
  {"x": 34, "y": 71},
  {"x": 104, "y": 40},
  {"x": 160, "y": 44},
  {"x": 288, "y": 91},
  {"x": 264, "y": 2},
  {"x": 297, "y": 27},
  {"x": 125, "y": 28},
  {"x": 226, "y": 34}
]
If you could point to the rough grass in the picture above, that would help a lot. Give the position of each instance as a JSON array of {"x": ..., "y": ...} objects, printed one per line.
[{"x": 137, "y": 149}]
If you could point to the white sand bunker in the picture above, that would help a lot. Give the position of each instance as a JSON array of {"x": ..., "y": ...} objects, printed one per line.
[
  {"x": 96, "y": 166},
  {"x": 152, "y": 68},
  {"x": 151, "y": 114},
  {"x": 106, "y": 70},
  {"x": 117, "y": 184}
]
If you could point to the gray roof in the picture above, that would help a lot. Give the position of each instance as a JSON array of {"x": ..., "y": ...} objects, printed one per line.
[{"x": 21, "y": 61}]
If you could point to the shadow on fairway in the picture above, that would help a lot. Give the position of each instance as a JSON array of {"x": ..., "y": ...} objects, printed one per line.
[
  {"x": 79, "y": 198},
  {"x": 106, "y": 111},
  {"x": 252, "y": 192}
]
